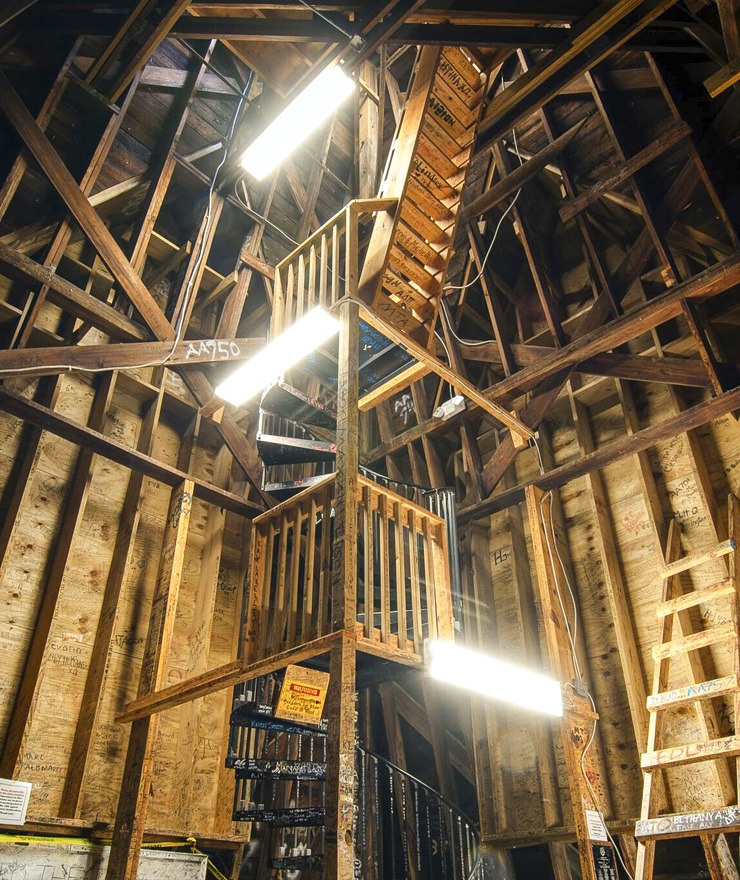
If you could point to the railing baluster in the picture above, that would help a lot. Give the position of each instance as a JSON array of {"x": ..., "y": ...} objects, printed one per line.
[
  {"x": 300, "y": 288},
  {"x": 323, "y": 270},
  {"x": 368, "y": 551},
  {"x": 262, "y": 635},
  {"x": 278, "y": 613},
  {"x": 309, "y": 598},
  {"x": 384, "y": 566},
  {"x": 429, "y": 582},
  {"x": 335, "y": 269},
  {"x": 313, "y": 294},
  {"x": 415, "y": 586},
  {"x": 288, "y": 311},
  {"x": 400, "y": 575},
  {"x": 325, "y": 573},
  {"x": 292, "y": 623}
]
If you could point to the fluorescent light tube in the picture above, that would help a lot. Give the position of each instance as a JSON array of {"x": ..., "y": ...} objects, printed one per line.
[
  {"x": 300, "y": 119},
  {"x": 491, "y": 677},
  {"x": 290, "y": 347}
]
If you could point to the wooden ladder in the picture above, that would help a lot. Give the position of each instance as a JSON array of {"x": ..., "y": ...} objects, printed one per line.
[
  {"x": 410, "y": 247},
  {"x": 675, "y": 602}
]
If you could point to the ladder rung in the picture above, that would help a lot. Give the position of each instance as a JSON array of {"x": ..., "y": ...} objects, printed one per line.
[
  {"x": 687, "y": 824},
  {"x": 694, "y": 641},
  {"x": 694, "y": 559},
  {"x": 696, "y": 597},
  {"x": 691, "y": 753},
  {"x": 692, "y": 693}
]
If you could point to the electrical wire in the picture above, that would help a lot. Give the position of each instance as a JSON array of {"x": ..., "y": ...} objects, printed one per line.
[
  {"x": 572, "y": 633},
  {"x": 179, "y": 325}
]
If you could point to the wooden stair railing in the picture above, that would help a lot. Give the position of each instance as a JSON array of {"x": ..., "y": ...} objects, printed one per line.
[{"x": 403, "y": 574}]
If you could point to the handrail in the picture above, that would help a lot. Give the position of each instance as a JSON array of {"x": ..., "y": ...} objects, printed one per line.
[
  {"x": 361, "y": 206},
  {"x": 415, "y": 779}
]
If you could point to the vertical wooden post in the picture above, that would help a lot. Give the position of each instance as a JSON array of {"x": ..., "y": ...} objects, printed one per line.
[
  {"x": 583, "y": 762},
  {"x": 340, "y": 788},
  {"x": 133, "y": 802}
]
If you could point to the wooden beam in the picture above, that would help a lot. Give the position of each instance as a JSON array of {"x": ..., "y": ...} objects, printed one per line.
[
  {"x": 444, "y": 372},
  {"x": 222, "y": 677},
  {"x": 51, "y": 164},
  {"x": 724, "y": 78},
  {"x": 669, "y": 138},
  {"x": 589, "y": 41},
  {"x": 133, "y": 802},
  {"x": 109, "y": 448},
  {"x": 71, "y": 298},
  {"x": 611, "y": 452},
  {"x": 509, "y": 184},
  {"x": 125, "y": 356},
  {"x": 716, "y": 279}
]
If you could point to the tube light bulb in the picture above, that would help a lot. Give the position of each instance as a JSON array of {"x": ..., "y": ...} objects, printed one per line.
[
  {"x": 287, "y": 349},
  {"x": 300, "y": 119},
  {"x": 495, "y": 678}
]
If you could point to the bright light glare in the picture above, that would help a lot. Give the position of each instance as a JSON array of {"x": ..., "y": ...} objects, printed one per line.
[
  {"x": 300, "y": 119},
  {"x": 494, "y": 678},
  {"x": 291, "y": 346}
]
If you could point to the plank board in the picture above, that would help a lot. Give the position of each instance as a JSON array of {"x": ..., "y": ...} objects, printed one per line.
[{"x": 687, "y": 824}]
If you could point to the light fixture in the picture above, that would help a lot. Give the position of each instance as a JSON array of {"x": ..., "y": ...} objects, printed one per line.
[
  {"x": 300, "y": 119},
  {"x": 287, "y": 349},
  {"x": 487, "y": 675}
]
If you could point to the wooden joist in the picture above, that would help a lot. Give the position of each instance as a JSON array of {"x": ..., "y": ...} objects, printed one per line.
[{"x": 112, "y": 449}]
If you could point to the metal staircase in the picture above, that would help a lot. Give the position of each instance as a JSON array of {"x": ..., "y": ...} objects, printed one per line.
[{"x": 404, "y": 828}]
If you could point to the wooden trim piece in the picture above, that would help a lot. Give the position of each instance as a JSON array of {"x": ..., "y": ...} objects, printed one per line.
[
  {"x": 724, "y": 548},
  {"x": 704, "y": 690}
]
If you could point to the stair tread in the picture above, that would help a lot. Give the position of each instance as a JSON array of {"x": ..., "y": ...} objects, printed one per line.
[
  {"x": 263, "y": 768},
  {"x": 275, "y": 449},
  {"x": 704, "y": 690},
  {"x": 287, "y": 817},
  {"x": 283, "y": 400},
  {"x": 295, "y": 863},
  {"x": 460, "y": 75}
]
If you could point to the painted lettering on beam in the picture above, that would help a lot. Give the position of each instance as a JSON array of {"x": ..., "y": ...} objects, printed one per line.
[
  {"x": 216, "y": 349},
  {"x": 681, "y": 824}
]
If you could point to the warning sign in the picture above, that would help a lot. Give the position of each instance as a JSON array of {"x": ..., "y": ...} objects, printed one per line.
[
  {"x": 14, "y": 797},
  {"x": 303, "y": 695}
]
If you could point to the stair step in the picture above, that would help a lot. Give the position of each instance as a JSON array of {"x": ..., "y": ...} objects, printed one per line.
[
  {"x": 407, "y": 266},
  {"x": 427, "y": 202},
  {"x": 453, "y": 55},
  {"x": 288, "y": 488},
  {"x": 282, "y": 818},
  {"x": 696, "y": 597},
  {"x": 444, "y": 115},
  {"x": 245, "y": 716},
  {"x": 694, "y": 559},
  {"x": 298, "y": 863},
  {"x": 262, "y": 768},
  {"x": 687, "y": 824},
  {"x": 460, "y": 75},
  {"x": 418, "y": 248},
  {"x": 444, "y": 141},
  {"x": 691, "y": 753},
  {"x": 693, "y": 693},
  {"x": 437, "y": 159},
  {"x": 274, "y": 449},
  {"x": 423, "y": 225},
  {"x": 407, "y": 295},
  {"x": 454, "y": 101},
  {"x": 283, "y": 400},
  {"x": 438, "y": 185},
  {"x": 694, "y": 641}
]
